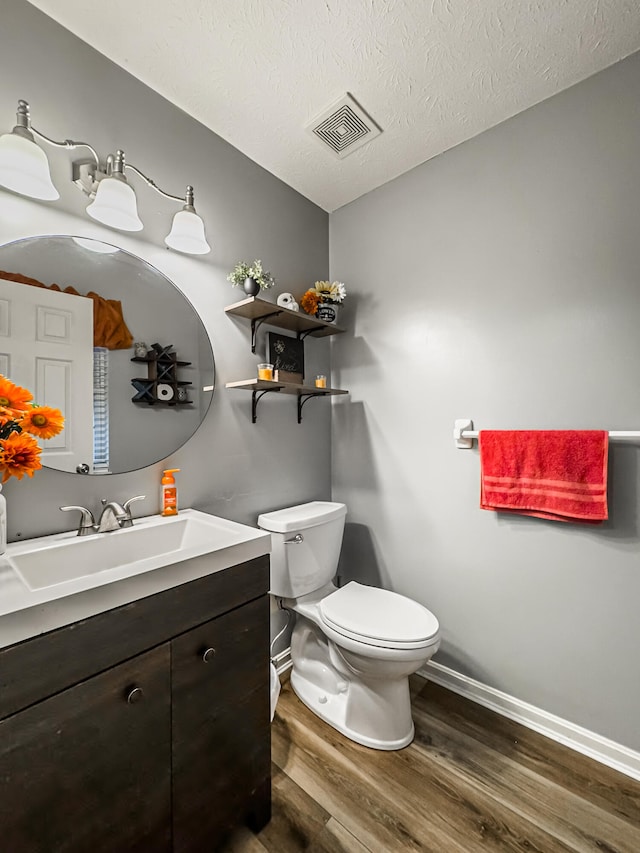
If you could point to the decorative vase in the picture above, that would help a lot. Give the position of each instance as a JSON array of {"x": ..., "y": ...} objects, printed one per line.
[
  {"x": 3, "y": 522},
  {"x": 327, "y": 312},
  {"x": 251, "y": 286}
]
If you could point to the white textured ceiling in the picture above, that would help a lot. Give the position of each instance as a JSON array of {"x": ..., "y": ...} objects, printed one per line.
[{"x": 431, "y": 73}]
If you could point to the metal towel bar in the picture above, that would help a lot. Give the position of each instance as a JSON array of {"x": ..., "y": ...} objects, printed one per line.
[{"x": 464, "y": 434}]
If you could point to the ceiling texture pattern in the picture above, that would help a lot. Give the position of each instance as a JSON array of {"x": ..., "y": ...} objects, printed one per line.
[{"x": 430, "y": 73}]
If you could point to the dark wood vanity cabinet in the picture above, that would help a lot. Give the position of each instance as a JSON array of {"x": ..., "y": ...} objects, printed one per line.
[{"x": 163, "y": 749}]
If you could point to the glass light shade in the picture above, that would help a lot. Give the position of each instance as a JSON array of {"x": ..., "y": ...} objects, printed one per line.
[
  {"x": 187, "y": 234},
  {"x": 115, "y": 205},
  {"x": 24, "y": 168}
]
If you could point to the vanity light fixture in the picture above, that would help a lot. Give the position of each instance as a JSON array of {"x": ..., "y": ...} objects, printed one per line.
[{"x": 24, "y": 168}]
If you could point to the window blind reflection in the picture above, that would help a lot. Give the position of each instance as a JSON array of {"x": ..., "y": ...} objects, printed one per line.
[{"x": 100, "y": 410}]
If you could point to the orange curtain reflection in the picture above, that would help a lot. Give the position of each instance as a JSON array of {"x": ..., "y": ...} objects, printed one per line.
[{"x": 109, "y": 327}]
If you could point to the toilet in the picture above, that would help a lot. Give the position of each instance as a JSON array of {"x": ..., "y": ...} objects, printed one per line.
[{"x": 353, "y": 648}]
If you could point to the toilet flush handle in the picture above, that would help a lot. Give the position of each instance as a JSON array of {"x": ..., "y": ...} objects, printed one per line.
[{"x": 297, "y": 539}]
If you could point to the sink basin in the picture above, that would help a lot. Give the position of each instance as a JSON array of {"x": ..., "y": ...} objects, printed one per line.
[{"x": 151, "y": 543}]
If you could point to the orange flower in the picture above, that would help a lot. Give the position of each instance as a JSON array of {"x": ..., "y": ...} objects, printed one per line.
[
  {"x": 7, "y": 415},
  {"x": 310, "y": 301},
  {"x": 43, "y": 421},
  {"x": 13, "y": 396},
  {"x": 19, "y": 455}
]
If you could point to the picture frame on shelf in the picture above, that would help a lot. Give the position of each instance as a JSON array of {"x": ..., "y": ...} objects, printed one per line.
[{"x": 287, "y": 356}]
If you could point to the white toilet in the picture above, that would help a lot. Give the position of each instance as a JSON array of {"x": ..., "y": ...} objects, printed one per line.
[{"x": 352, "y": 648}]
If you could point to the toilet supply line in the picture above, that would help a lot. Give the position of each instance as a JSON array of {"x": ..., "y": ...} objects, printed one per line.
[
  {"x": 273, "y": 672},
  {"x": 282, "y": 630}
]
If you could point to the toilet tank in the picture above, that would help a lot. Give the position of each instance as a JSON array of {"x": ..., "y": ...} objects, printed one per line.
[{"x": 300, "y": 566}]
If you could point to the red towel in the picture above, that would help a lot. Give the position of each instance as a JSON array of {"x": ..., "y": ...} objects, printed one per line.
[{"x": 556, "y": 474}]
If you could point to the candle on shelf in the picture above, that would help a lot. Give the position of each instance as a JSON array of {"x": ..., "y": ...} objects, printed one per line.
[
  {"x": 321, "y": 381},
  {"x": 265, "y": 371}
]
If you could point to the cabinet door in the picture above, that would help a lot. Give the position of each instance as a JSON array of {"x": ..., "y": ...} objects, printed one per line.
[
  {"x": 89, "y": 769},
  {"x": 221, "y": 738}
]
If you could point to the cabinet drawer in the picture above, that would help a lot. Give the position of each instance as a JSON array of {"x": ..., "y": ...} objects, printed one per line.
[{"x": 89, "y": 769}]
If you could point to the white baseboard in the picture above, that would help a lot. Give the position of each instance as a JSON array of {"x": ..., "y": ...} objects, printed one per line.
[
  {"x": 282, "y": 661},
  {"x": 588, "y": 743}
]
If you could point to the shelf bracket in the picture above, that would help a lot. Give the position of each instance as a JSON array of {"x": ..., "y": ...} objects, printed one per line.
[
  {"x": 256, "y": 396},
  {"x": 256, "y": 322},
  {"x": 304, "y": 398},
  {"x": 304, "y": 333}
]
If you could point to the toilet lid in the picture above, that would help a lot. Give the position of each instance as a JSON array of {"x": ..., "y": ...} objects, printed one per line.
[
  {"x": 378, "y": 616},
  {"x": 296, "y": 518}
]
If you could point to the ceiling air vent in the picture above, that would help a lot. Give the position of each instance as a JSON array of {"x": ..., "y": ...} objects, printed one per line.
[{"x": 344, "y": 126}]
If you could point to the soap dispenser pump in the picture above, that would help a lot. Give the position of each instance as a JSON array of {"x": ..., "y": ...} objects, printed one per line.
[{"x": 168, "y": 493}]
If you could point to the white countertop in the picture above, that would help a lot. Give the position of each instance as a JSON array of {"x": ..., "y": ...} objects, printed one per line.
[{"x": 26, "y": 612}]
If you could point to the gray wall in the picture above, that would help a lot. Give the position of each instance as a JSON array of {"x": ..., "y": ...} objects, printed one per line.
[
  {"x": 500, "y": 282},
  {"x": 230, "y": 467}
]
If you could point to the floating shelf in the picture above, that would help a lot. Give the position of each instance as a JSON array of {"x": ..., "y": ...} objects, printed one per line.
[
  {"x": 259, "y": 311},
  {"x": 148, "y": 359},
  {"x": 260, "y": 387}
]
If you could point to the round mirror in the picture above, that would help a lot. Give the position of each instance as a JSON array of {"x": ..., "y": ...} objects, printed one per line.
[{"x": 71, "y": 339}]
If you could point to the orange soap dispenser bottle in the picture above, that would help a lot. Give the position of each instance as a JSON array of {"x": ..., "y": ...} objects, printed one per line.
[{"x": 169, "y": 493}]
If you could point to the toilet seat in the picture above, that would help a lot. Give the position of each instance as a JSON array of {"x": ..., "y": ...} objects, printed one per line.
[{"x": 378, "y": 617}]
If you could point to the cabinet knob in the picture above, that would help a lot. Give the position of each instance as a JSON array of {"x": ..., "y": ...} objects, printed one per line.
[
  {"x": 136, "y": 694},
  {"x": 208, "y": 655}
]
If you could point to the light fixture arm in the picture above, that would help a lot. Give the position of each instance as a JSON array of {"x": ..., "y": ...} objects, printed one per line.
[
  {"x": 25, "y": 128},
  {"x": 187, "y": 199},
  {"x": 69, "y": 144}
]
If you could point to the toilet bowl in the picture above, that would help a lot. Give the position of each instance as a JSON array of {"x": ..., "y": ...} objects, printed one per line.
[{"x": 352, "y": 648}]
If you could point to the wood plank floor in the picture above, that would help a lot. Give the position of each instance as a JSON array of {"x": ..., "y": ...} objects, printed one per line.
[{"x": 471, "y": 781}]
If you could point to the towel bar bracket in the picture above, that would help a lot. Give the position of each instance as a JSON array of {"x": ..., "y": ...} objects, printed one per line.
[{"x": 460, "y": 425}]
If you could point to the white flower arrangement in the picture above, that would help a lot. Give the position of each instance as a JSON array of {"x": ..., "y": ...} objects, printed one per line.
[{"x": 330, "y": 292}]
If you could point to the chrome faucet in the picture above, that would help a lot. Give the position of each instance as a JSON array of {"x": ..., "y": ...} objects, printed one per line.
[{"x": 113, "y": 516}]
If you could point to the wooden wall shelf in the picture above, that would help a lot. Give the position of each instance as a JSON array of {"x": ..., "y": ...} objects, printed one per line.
[
  {"x": 260, "y": 387},
  {"x": 259, "y": 311}
]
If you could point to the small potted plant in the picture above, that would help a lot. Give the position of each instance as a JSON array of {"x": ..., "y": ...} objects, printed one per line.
[
  {"x": 323, "y": 299},
  {"x": 252, "y": 277}
]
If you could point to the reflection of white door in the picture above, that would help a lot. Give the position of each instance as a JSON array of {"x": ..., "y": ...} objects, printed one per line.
[{"x": 46, "y": 345}]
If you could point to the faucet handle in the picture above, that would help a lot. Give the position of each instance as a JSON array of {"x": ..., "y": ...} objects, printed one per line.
[
  {"x": 128, "y": 503},
  {"x": 87, "y": 521},
  {"x": 128, "y": 520}
]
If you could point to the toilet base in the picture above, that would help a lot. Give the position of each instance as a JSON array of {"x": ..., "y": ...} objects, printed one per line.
[{"x": 332, "y": 708}]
